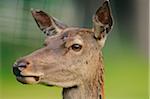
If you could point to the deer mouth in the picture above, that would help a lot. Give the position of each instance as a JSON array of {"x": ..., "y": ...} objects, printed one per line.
[{"x": 28, "y": 79}]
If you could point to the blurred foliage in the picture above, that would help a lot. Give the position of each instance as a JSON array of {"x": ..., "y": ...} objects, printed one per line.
[{"x": 126, "y": 68}]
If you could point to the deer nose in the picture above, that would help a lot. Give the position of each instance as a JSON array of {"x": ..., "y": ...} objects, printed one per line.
[{"x": 20, "y": 66}]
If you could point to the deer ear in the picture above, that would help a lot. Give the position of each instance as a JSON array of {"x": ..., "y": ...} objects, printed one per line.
[
  {"x": 49, "y": 25},
  {"x": 102, "y": 22}
]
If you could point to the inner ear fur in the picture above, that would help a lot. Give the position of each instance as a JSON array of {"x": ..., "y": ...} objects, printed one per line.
[
  {"x": 102, "y": 21},
  {"x": 48, "y": 24}
]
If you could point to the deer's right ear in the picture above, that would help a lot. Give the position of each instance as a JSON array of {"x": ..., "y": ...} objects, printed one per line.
[
  {"x": 49, "y": 25},
  {"x": 103, "y": 22}
]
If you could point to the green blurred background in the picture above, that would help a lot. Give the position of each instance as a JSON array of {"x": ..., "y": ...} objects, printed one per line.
[{"x": 125, "y": 52}]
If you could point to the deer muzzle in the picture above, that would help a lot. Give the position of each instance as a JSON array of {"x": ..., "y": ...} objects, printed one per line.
[{"x": 20, "y": 70}]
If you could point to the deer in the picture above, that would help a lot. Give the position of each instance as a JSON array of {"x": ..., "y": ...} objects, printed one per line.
[{"x": 71, "y": 57}]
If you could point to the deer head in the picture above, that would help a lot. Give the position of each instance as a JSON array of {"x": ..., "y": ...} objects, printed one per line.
[{"x": 71, "y": 56}]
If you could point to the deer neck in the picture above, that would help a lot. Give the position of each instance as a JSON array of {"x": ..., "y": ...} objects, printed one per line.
[
  {"x": 79, "y": 92},
  {"x": 88, "y": 90}
]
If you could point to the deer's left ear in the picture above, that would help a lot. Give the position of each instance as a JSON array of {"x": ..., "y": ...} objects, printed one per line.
[
  {"x": 49, "y": 25},
  {"x": 103, "y": 22}
]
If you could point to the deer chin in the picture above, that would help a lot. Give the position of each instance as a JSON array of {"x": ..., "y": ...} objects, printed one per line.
[{"x": 29, "y": 78}]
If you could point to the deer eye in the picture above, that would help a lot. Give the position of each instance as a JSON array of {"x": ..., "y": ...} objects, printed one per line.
[{"x": 76, "y": 47}]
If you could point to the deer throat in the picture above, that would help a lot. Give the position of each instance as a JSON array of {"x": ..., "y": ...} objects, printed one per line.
[{"x": 94, "y": 90}]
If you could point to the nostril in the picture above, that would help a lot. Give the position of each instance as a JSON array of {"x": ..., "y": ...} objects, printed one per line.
[
  {"x": 16, "y": 71},
  {"x": 22, "y": 64},
  {"x": 28, "y": 63}
]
